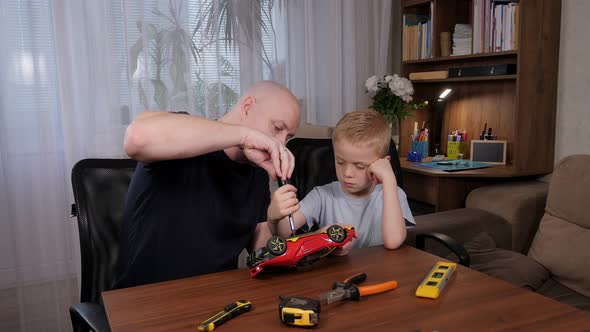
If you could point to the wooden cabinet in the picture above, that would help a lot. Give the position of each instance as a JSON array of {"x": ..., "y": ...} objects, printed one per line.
[{"x": 521, "y": 107}]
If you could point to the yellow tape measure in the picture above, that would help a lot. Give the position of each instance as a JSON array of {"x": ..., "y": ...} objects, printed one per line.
[{"x": 436, "y": 280}]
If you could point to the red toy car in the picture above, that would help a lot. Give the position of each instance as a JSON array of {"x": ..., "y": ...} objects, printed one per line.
[{"x": 299, "y": 250}]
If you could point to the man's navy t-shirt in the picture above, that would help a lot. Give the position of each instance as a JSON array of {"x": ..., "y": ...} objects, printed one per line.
[{"x": 189, "y": 217}]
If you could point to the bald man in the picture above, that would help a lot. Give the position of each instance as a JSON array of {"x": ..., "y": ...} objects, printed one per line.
[{"x": 200, "y": 192}]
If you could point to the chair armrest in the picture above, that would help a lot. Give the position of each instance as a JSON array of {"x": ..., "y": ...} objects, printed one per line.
[
  {"x": 521, "y": 204},
  {"x": 448, "y": 242},
  {"x": 88, "y": 315},
  {"x": 462, "y": 225}
]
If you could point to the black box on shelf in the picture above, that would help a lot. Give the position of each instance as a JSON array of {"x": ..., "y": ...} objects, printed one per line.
[{"x": 487, "y": 70}]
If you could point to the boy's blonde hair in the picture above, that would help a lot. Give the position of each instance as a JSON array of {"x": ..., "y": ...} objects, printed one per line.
[{"x": 364, "y": 127}]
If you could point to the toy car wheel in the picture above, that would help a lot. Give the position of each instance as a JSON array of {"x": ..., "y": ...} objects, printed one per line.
[
  {"x": 276, "y": 245},
  {"x": 336, "y": 233},
  {"x": 256, "y": 257}
]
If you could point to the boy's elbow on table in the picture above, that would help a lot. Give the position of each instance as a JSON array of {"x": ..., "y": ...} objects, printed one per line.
[
  {"x": 391, "y": 246},
  {"x": 393, "y": 243}
]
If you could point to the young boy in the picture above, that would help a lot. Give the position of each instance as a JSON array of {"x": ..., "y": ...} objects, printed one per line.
[{"x": 366, "y": 194}]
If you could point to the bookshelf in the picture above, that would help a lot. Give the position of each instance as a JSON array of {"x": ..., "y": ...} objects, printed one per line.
[{"x": 519, "y": 107}]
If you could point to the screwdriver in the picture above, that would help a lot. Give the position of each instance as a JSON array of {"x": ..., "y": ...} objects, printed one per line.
[
  {"x": 291, "y": 222},
  {"x": 228, "y": 312}
]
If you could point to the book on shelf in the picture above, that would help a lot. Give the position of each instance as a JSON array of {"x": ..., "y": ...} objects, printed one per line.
[
  {"x": 429, "y": 75},
  {"x": 462, "y": 39},
  {"x": 496, "y": 25},
  {"x": 417, "y": 37}
]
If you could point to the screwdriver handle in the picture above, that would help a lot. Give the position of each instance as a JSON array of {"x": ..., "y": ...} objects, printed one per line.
[{"x": 228, "y": 312}]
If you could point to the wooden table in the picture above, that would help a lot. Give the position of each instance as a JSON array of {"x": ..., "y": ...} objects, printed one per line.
[
  {"x": 471, "y": 301},
  {"x": 448, "y": 190}
]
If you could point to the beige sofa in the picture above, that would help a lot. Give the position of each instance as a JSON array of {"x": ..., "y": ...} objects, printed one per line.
[{"x": 546, "y": 250}]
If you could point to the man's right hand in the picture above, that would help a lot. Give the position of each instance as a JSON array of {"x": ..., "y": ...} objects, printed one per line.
[
  {"x": 283, "y": 203},
  {"x": 268, "y": 153}
]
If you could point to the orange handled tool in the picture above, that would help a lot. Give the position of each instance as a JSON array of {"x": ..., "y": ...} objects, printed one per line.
[
  {"x": 348, "y": 289},
  {"x": 378, "y": 288}
]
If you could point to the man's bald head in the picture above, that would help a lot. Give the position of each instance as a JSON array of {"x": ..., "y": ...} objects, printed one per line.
[
  {"x": 269, "y": 89},
  {"x": 269, "y": 107}
]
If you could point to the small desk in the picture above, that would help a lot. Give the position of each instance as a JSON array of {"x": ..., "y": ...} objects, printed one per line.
[
  {"x": 448, "y": 190},
  {"x": 471, "y": 301}
]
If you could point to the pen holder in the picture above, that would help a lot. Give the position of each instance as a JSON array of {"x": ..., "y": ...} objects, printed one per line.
[
  {"x": 421, "y": 148},
  {"x": 454, "y": 149}
]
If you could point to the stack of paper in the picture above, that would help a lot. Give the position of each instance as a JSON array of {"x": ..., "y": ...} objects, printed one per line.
[{"x": 462, "y": 38}]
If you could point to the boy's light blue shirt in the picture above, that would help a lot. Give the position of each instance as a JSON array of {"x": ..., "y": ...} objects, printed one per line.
[{"x": 329, "y": 204}]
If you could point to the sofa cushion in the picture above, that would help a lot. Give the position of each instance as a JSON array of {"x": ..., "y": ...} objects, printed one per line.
[
  {"x": 507, "y": 265},
  {"x": 559, "y": 292},
  {"x": 569, "y": 191},
  {"x": 564, "y": 249},
  {"x": 561, "y": 243}
]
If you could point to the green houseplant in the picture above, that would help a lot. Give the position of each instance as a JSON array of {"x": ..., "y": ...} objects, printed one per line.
[{"x": 171, "y": 49}]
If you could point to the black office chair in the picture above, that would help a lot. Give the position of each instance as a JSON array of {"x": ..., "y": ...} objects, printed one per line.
[
  {"x": 100, "y": 187},
  {"x": 315, "y": 166}
]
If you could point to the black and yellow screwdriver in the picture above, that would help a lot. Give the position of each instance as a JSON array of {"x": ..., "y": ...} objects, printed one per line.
[{"x": 228, "y": 312}]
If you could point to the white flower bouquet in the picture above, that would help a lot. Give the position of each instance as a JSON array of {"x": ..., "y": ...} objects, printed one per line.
[{"x": 391, "y": 96}]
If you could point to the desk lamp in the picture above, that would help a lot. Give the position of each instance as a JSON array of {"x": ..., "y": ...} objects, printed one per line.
[{"x": 438, "y": 118}]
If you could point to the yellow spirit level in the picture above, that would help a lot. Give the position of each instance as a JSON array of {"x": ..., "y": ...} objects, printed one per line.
[{"x": 435, "y": 281}]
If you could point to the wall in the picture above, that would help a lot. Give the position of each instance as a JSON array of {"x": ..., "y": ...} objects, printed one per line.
[{"x": 573, "y": 92}]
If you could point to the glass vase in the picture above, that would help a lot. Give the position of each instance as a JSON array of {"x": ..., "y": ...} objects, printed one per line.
[{"x": 395, "y": 132}]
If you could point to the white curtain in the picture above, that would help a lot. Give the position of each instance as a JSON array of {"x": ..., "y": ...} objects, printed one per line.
[
  {"x": 73, "y": 73},
  {"x": 334, "y": 46},
  {"x": 38, "y": 251}
]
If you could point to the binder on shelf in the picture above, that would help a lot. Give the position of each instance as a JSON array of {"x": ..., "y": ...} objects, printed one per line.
[{"x": 429, "y": 75}]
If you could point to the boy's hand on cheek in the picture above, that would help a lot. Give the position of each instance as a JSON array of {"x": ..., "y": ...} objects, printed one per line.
[
  {"x": 283, "y": 203},
  {"x": 380, "y": 171}
]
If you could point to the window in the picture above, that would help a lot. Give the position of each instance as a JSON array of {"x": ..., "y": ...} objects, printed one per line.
[
  {"x": 173, "y": 66},
  {"x": 32, "y": 104}
]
